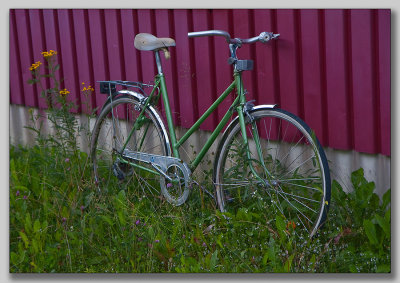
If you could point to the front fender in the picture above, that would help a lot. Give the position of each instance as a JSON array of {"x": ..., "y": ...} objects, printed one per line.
[{"x": 255, "y": 108}]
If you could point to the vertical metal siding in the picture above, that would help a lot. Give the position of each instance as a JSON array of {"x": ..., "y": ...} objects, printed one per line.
[
  {"x": 338, "y": 84},
  {"x": 383, "y": 54},
  {"x": 330, "y": 67}
]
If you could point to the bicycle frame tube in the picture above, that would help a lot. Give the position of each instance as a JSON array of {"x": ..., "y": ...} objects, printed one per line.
[
  {"x": 206, "y": 114},
  {"x": 168, "y": 114},
  {"x": 176, "y": 144},
  {"x": 212, "y": 138}
]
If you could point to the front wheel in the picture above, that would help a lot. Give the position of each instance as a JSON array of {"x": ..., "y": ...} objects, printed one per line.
[{"x": 284, "y": 171}]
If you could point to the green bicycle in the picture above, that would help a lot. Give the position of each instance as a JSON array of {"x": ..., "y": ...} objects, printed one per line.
[{"x": 266, "y": 158}]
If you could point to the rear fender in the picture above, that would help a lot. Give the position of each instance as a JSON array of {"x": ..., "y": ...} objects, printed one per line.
[{"x": 141, "y": 98}]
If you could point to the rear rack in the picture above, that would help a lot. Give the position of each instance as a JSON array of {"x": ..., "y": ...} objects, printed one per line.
[{"x": 109, "y": 87}]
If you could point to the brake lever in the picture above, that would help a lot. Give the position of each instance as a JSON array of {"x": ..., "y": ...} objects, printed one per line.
[
  {"x": 275, "y": 36},
  {"x": 264, "y": 37}
]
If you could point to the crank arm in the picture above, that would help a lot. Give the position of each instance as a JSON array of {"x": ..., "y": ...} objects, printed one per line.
[{"x": 160, "y": 171}]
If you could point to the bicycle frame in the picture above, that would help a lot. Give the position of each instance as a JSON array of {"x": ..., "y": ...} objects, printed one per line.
[{"x": 237, "y": 105}]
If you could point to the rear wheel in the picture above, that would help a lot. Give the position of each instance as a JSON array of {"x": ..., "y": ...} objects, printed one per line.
[
  {"x": 293, "y": 175},
  {"x": 110, "y": 134}
]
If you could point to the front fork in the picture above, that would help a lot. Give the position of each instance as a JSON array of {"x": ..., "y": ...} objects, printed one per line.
[{"x": 243, "y": 109}]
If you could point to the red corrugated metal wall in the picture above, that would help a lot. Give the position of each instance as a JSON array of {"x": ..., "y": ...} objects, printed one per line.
[{"x": 330, "y": 67}]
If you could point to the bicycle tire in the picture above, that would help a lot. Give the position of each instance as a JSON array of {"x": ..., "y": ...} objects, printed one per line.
[
  {"x": 110, "y": 134},
  {"x": 297, "y": 186}
]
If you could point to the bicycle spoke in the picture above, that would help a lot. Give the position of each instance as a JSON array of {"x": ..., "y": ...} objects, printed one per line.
[
  {"x": 291, "y": 149},
  {"x": 296, "y": 199},
  {"x": 297, "y": 166},
  {"x": 294, "y": 206},
  {"x": 300, "y": 179},
  {"x": 302, "y": 186},
  {"x": 296, "y": 196}
]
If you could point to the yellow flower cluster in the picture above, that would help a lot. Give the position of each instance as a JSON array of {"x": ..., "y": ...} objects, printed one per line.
[
  {"x": 49, "y": 54},
  {"x": 64, "y": 92},
  {"x": 35, "y": 65},
  {"x": 89, "y": 88}
]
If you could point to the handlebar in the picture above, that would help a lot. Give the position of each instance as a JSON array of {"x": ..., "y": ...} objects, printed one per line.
[{"x": 264, "y": 37}]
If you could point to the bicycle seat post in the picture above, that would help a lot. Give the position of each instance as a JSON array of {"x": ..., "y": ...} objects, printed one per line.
[
  {"x": 165, "y": 99},
  {"x": 158, "y": 62}
]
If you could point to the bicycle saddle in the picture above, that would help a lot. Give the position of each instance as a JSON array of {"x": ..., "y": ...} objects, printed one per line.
[{"x": 148, "y": 42}]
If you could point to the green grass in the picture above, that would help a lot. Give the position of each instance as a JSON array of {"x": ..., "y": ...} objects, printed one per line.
[{"x": 59, "y": 223}]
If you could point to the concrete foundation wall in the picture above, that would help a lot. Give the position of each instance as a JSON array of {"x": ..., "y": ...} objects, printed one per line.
[{"x": 341, "y": 163}]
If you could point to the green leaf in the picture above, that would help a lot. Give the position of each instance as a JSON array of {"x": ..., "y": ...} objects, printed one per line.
[
  {"x": 374, "y": 202},
  {"x": 14, "y": 258},
  {"x": 107, "y": 219},
  {"x": 265, "y": 258},
  {"x": 384, "y": 224},
  {"x": 120, "y": 200},
  {"x": 17, "y": 259},
  {"x": 28, "y": 223},
  {"x": 45, "y": 224},
  {"x": 35, "y": 186},
  {"x": 386, "y": 199},
  {"x": 13, "y": 172},
  {"x": 32, "y": 81},
  {"x": 387, "y": 215},
  {"x": 288, "y": 264},
  {"x": 35, "y": 246},
  {"x": 271, "y": 251},
  {"x": 219, "y": 241},
  {"x": 353, "y": 269},
  {"x": 121, "y": 218},
  {"x": 24, "y": 239},
  {"x": 36, "y": 226},
  {"x": 213, "y": 260},
  {"x": 337, "y": 191},
  {"x": 370, "y": 231},
  {"x": 357, "y": 178},
  {"x": 364, "y": 193},
  {"x": 280, "y": 225},
  {"x": 312, "y": 262}
]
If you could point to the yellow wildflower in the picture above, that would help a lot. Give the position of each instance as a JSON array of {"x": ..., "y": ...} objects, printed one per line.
[
  {"x": 49, "y": 53},
  {"x": 35, "y": 65},
  {"x": 64, "y": 92},
  {"x": 89, "y": 88}
]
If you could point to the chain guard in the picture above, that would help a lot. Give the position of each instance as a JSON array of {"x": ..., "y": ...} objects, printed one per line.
[{"x": 164, "y": 165}]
